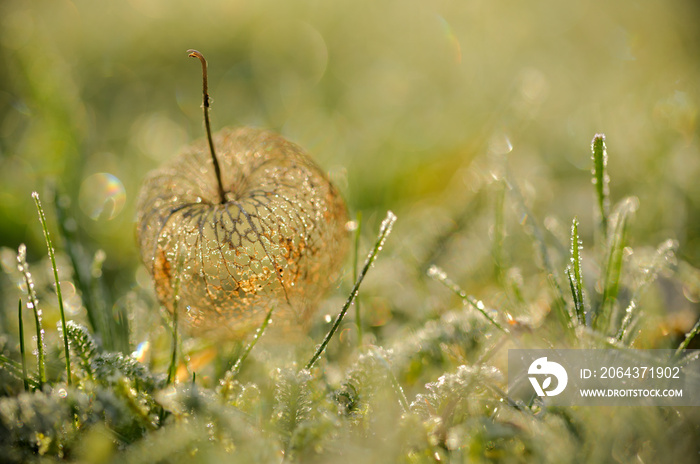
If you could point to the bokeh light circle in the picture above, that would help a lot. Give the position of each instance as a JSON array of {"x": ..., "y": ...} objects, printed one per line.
[{"x": 102, "y": 196}]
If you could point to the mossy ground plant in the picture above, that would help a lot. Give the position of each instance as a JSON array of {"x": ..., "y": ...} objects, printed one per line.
[{"x": 432, "y": 391}]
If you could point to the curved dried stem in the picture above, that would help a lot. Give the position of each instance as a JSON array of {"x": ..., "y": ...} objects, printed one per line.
[{"x": 205, "y": 106}]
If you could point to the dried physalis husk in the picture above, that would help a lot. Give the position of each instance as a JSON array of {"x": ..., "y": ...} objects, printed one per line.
[{"x": 277, "y": 238}]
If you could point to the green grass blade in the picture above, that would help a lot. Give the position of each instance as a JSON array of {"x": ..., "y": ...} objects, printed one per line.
[
  {"x": 575, "y": 275},
  {"x": 355, "y": 264},
  {"x": 601, "y": 179},
  {"x": 535, "y": 231},
  {"x": 560, "y": 306},
  {"x": 33, "y": 303},
  {"x": 258, "y": 333},
  {"x": 384, "y": 232},
  {"x": 440, "y": 275},
  {"x": 14, "y": 368},
  {"x": 629, "y": 321},
  {"x": 683, "y": 361},
  {"x": 21, "y": 347},
  {"x": 499, "y": 232},
  {"x": 11, "y": 365},
  {"x": 613, "y": 268},
  {"x": 82, "y": 265},
  {"x": 394, "y": 381},
  {"x": 52, "y": 256},
  {"x": 664, "y": 258},
  {"x": 574, "y": 292},
  {"x": 688, "y": 338},
  {"x": 176, "y": 300}
]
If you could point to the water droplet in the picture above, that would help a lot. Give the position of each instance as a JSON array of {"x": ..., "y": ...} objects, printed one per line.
[
  {"x": 499, "y": 144},
  {"x": 436, "y": 272}
]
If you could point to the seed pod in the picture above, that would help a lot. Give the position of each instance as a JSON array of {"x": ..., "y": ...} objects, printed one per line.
[{"x": 258, "y": 225}]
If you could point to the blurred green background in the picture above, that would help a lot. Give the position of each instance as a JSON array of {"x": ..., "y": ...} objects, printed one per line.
[{"x": 403, "y": 102}]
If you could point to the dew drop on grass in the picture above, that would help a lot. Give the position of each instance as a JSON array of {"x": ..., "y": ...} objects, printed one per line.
[
  {"x": 499, "y": 144},
  {"x": 434, "y": 271},
  {"x": 627, "y": 252}
]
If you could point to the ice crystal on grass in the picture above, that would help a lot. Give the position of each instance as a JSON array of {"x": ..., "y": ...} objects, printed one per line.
[
  {"x": 33, "y": 304},
  {"x": 457, "y": 336},
  {"x": 600, "y": 179},
  {"x": 301, "y": 418},
  {"x": 246, "y": 397},
  {"x": 83, "y": 347},
  {"x": 294, "y": 402},
  {"x": 362, "y": 381},
  {"x": 109, "y": 368},
  {"x": 458, "y": 402},
  {"x": 455, "y": 396},
  {"x": 664, "y": 258},
  {"x": 617, "y": 241},
  {"x": 575, "y": 274},
  {"x": 41, "y": 422}
]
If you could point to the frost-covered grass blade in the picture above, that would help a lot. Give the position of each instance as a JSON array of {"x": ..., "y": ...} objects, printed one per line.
[
  {"x": 688, "y": 338},
  {"x": 664, "y": 258},
  {"x": 355, "y": 264},
  {"x": 52, "y": 256},
  {"x": 601, "y": 179},
  {"x": 384, "y": 231},
  {"x": 258, "y": 333},
  {"x": 440, "y": 275},
  {"x": 559, "y": 303},
  {"x": 617, "y": 241},
  {"x": 33, "y": 304},
  {"x": 575, "y": 275},
  {"x": 172, "y": 369},
  {"x": 21, "y": 346}
]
